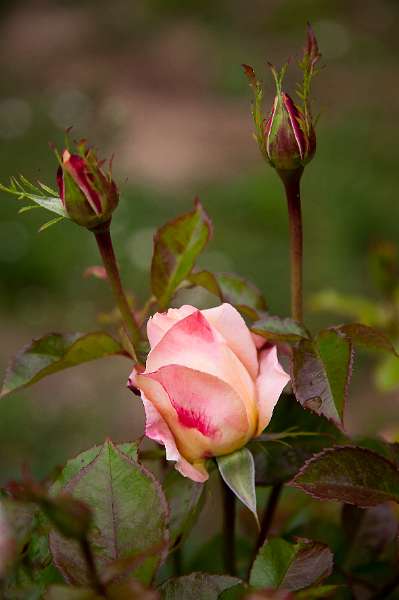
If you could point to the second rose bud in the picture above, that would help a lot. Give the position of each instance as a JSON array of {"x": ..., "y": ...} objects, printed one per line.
[{"x": 88, "y": 193}]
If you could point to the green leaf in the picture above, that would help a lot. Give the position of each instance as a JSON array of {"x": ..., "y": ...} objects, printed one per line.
[
  {"x": 33, "y": 572},
  {"x": 186, "y": 499},
  {"x": 197, "y": 586},
  {"x": 387, "y": 450},
  {"x": 56, "y": 352},
  {"x": 238, "y": 592},
  {"x": 277, "y": 461},
  {"x": 74, "y": 465},
  {"x": 238, "y": 473},
  {"x": 284, "y": 565},
  {"x": 50, "y": 223},
  {"x": 25, "y": 190},
  {"x": 349, "y": 474},
  {"x": 281, "y": 330},
  {"x": 235, "y": 290},
  {"x": 366, "y": 336},
  {"x": 321, "y": 374},
  {"x": 129, "y": 511},
  {"x": 176, "y": 248}
]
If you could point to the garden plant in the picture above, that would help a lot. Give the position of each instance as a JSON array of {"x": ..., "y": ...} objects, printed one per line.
[{"x": 246, "y": 409}]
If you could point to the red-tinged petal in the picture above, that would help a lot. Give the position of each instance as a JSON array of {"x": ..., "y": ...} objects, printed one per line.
[
  {"x": 293, "y": 115},
  {"x": 76, "y": 167},
  {"x": 205, "y": 415},
  {"x": 230, "y": 324},
  {"x": 259, "y": 340},
  {"x": 192, "y": 342},
  {"x": 160, "y": 323},
  {"x": 157, "y": 429},
  {"x": 271, "y": 381}
]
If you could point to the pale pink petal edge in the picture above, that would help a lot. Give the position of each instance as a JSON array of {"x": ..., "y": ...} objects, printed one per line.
[
  {"x": 271, "y": 381},
  {"x": 229, "y": 323},
  {"x": 156, "y": 429},
  {"x": 160, "y": 323}
]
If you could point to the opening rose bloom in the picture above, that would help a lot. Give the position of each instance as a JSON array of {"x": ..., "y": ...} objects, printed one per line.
[{"x": 206, "y": 389}]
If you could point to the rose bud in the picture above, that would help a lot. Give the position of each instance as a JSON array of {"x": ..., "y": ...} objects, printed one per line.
[
  {"x": 206, "y": 389},
  {"x": 287, "y": 138},
  {"x": 89, "y": 195},
  {"x": 289, "y": 146}
]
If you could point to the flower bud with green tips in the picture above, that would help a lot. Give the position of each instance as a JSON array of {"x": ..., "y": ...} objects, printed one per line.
[
  {"x": 287, "y": 137},
  {"x": 89, "y": 194}
]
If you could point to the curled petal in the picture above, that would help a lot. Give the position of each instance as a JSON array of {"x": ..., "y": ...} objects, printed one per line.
[
  {"x": 160, "y": 323},
  {"x": 230, "y": 324},
  {"x": 205, "y": 414},
  {"x": 271, "y": 381},
  {"x": 76, "y": 166},
  {"x": 158, "y": 430}
]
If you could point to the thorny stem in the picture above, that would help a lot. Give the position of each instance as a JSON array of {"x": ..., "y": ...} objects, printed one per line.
[
  {"x": 98, "y": 586},
  {"x": 104, "y": 242},
  {"x": 229, "y": 518}
]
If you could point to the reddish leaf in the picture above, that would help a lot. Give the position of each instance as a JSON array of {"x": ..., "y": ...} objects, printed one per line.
[
  {"x": 55, "y": 352},
  {"x": 366, "y": 336},
  {"x": 321, "y": 374},
  {"x": 129, "y": 514},
  {"x": 349, "y": 474},
  {"x": 281, "y": 330},
  {"x": 291, "y": 566}
]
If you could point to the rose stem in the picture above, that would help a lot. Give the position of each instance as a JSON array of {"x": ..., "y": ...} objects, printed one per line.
[
  {"x": 104, "y": 242},
  {"x": 91, "y": 567},
  {"x": 291, "y": 181},
  {"x": 292, "y": 191},
  {"x": 229, "y": 514}
]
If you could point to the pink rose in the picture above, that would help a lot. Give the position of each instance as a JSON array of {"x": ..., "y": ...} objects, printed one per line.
[{"x": 206, "y": 389}]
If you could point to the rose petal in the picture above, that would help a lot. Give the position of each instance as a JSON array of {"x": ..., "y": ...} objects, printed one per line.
[
  {"x": 160, "y": 323},
  {"x": 156, "y": 429},
  {"x": 205, "y": 414},
  {"x": 76, "y": 166},
  {"x": 193, "y": 343},
  {"x": 228, "y": 321},
  {"x": 259, "y": 340},
  {"x": 271, "y": 381}
]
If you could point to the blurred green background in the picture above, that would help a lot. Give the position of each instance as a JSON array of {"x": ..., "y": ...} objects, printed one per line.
[{"x": 158, "y": 84}]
